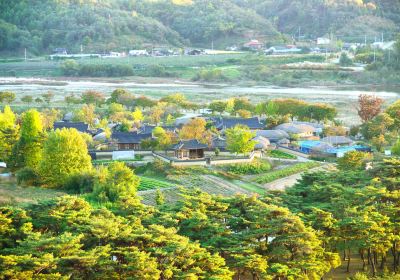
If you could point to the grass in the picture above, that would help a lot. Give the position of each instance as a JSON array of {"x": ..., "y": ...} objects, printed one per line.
[
  {"x": 11, "y": 194},
  {"x": 291, "y": 170},
  {"x": 249, "y": 187},
  {"x": 147, "y": 183},
  {"x": 280, "y": 154},
  {"x": 108, "y": 161}
]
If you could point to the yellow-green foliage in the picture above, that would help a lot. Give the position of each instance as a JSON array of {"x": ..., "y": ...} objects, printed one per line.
[{"x": 65, "y": 153}]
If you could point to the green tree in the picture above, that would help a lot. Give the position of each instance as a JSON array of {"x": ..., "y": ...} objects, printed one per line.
[
  {"x": 70, "y": 67},
  {"x": 396, "y": 148},
  {"x": 8, "y": 133},
  {"x": 27, "y": 152},
  {"x": 93, "y": 97},
  {"x": 239, "y": 139},
  {"x": 27, "y": 99},
  {"x": 394, "y": 112},
  {"x": 65, "y": 154},
  {"x": 344, "y": 60},
  {"x": 354, "y": 160},
  {"x": 115, "y": 182},
  {"x": 7, "y": 97},
  {"x": 217, "y": 106}
]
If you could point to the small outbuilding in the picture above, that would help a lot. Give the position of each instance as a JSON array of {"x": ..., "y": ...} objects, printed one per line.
[
  {"x": 273, "y": 135},
  {"x": 189, "y": 149},
  {"x": 262, "y": 143},
  {"x": 300, "y": 130},
  {"x": 80, "y": 126}
]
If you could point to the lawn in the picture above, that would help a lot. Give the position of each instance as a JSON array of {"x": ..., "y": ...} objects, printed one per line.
[
  {"x": 249, "y": 187},
  {"x": 108, "y": 161},
  {"x": 11, "y": 194}
]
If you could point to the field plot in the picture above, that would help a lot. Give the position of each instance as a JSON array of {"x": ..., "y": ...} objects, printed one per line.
[
  {"x": 11, "y": 194},
  {"x": 151, "y": 183}
]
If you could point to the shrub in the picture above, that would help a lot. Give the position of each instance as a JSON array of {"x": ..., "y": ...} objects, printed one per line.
[
  {"x": 345, "y": 60},
  {"x": 255, "y": 167},
  {"x": 354, "y": 160},
  {"x": 80, "y": 183},
  {"x": 27, "y": 176},
  {"x": 210, "y": 75},
  {"x": 396, "y": 148}
]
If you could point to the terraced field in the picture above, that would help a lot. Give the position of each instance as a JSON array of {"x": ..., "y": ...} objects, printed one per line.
[{"x": 151, "y": 184}]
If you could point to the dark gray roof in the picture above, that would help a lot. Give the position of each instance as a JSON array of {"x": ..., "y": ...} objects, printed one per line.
[
  {"x": 273, "y": 135},
  {"x": 219, "y": 142},
  {"x": 189, "y": 145},
  {"x": 295, "y": 128},
  {"x": 129, "y": 137},
  {"x": 252, "y": 123},
  {"x": 80, "y": 126},
  {"x": 145, "y": 129}
]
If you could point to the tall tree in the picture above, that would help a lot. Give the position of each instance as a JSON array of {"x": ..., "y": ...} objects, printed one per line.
[
  {"x": 65, "y": 153},
  {"x": 27, "y": 151},
  {"x": 368, "y": 107},
  {"x": 8, "y": 133},
  {"x": 239, "y": 139}
]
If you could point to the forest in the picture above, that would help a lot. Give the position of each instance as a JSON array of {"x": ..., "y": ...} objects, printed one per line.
[{"x": 101, "y": 26}]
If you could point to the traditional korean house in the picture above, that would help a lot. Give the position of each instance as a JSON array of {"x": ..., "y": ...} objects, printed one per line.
[{"x": 189, "y": 149}]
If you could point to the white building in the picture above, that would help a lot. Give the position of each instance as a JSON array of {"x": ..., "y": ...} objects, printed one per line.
[
  {"x": 323, "y": 41},
  {"x": 138, "y": 53}
]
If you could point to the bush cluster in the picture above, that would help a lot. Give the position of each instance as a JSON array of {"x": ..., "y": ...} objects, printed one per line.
[{"x": 255, "y": 167}]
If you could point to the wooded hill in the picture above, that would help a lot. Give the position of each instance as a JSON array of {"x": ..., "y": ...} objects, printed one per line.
[{"x": 104, "y": 25}]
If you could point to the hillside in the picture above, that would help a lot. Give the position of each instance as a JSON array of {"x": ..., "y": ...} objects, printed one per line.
[{"x": 104, "y": 25}]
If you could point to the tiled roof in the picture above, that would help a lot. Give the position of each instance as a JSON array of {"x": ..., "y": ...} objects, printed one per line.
[
  {"x": 295, "y": 128},
  {"x": 273, "y": 135},
  {"x": 80, "y": 126},
  {"x": 189, "y": 145},
  {"x": 129, "y": 137},
  {"x": 252, "y": 123}
]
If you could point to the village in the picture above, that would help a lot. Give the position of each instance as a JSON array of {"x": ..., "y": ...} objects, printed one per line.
[{"x": 321, "y": 45}]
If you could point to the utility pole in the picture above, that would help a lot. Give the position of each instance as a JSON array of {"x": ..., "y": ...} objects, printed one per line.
[
  {"x": 298, "y": 39},
  {"x": 374, "y": 54}
]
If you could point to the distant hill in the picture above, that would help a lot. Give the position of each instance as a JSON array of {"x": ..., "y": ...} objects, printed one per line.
[{"x": 104, "y": 25}]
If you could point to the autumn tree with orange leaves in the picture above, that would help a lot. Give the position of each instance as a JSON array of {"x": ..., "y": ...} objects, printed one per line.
[{"x": 369, "y": 106}]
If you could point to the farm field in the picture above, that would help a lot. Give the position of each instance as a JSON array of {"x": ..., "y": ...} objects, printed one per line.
[
  {"x": 11, "y": 194},
  {"x": 151, "y": 184}
]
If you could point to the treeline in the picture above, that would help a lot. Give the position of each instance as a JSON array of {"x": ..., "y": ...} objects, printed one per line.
[
  {"x": 355, "y": 212},
  {"x": 41, "y": 26}
]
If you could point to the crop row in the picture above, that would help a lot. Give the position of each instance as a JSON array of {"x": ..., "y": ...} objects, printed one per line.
[{"x": 278, "y": 174}]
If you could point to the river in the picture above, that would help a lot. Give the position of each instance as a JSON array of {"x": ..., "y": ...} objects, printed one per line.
[{"x": 344, "y": 100}]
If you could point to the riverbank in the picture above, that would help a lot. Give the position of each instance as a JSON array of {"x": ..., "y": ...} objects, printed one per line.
[{"x": 343, "y": 98}]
